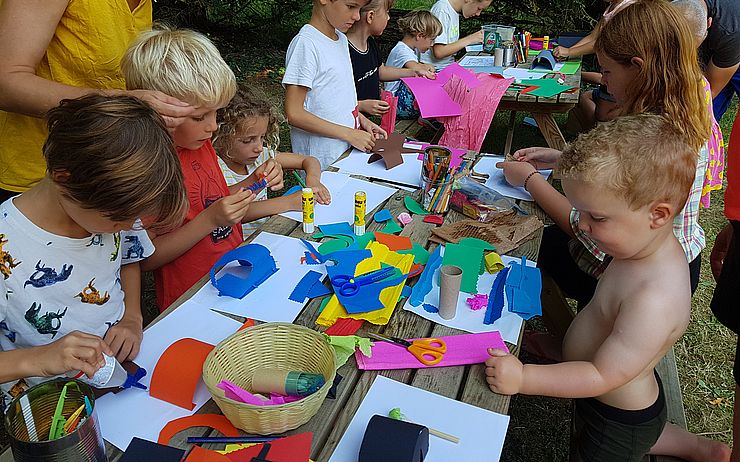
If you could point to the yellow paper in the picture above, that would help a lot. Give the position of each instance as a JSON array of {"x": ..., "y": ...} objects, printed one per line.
[
  {"x": 388, "y": 296},
  {"x": 493, "y": 263},
  {"x": 235, "y": 447}
]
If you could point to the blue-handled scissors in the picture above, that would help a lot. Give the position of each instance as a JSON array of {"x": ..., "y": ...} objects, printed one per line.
[{"x": 350, "y": 285}]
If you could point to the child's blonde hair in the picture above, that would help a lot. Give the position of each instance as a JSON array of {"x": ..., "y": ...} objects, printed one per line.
[
  {"x": 670, "y": 80},
  {"x": 248, "y": 103},
  {"x": 420, "y": 22},
  {"x": 181, "y": 63},
  {"x": 375, "y": 5},
  {"x": 641, "y": 158},
  {"x": 118, "y": 159}
]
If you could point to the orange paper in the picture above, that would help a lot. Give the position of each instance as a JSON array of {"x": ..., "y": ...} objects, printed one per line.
[
  {"x": 294, "y": 448},
  {"x": 178, "y": 371},
  {"x": 199, "y": 454},
  {"x": 393, "y": 242},
  {"x": 247, "y": 323},
  {"x": 215, "y": 421}
]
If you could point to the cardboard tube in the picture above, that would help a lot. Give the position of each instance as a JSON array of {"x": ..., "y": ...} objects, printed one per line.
[
  {"x": 450, "y": 277},
  {"x": 266, "y": 380}
]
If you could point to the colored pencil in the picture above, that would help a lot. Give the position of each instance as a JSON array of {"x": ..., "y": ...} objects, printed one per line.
[{"x": 300, "y": 180}]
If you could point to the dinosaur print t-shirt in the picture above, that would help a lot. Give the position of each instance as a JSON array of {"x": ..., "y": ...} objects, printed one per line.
[{"x": 52, "y": 285}]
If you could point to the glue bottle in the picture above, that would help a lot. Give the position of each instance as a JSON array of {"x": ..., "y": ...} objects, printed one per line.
[{"x": 111, "y": 375}]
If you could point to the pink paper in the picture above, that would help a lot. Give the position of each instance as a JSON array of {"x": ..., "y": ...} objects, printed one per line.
[
  {"x": 388, "y": 121},
  {"x": 465, "y": 75},
  {"x": 237, "y": 393},
  {"x": 432, "y": 99},
  {"x": 457, "y": 154},
  {"x": 469, "y": 129},
  {"x": 461, "y": 349}
]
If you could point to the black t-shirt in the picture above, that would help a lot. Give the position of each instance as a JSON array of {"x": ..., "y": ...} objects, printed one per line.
[
  {"x": 722, "y": 44},
  {"x": 365, "y": 67}
]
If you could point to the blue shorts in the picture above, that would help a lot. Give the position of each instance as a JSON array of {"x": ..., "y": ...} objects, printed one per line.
[{"x": 722, "y": 101}]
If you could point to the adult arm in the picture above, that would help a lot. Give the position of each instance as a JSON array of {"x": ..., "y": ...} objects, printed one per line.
[{"x": 719, "y": 77}]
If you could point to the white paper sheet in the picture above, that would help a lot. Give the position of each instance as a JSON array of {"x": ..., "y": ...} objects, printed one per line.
[
  {"x": 477, "y": 61},
  {"x": 342, "y": 207},
  {"x": 509, "y": 324},
  {"x": 522, "y": 73},
  {"x": 133, "y": 412},
  {"x": 497, "y": 180},
  {"x": 481, "y": 432},
  {"x": 408, "y": 173},
  {"x": 269, "y": 302}
]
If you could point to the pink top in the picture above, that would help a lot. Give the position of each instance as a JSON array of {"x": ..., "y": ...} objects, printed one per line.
[
  {"x": 716, "y": 158},
  {"x": 616, "y": 7}
]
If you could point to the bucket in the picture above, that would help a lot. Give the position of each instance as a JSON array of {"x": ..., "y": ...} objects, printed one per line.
[{"x": 28, "y": 422}]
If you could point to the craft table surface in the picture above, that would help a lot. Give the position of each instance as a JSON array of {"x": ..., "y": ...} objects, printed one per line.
[
  {"x": 464, "y": 383},
  {"x": 542, "y": 109}
]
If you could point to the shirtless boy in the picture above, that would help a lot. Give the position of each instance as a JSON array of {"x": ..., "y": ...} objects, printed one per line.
[{"x": 628, "y": 178}]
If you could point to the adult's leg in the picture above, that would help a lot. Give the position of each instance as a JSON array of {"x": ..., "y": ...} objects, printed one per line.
[{"x": 581, "y": 118}]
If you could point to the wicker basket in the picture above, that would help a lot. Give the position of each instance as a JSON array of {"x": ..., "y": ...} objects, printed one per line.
[{"x": 274, "y": 345}]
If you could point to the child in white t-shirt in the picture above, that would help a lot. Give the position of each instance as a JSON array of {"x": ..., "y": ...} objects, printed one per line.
[
  {"x": 420, "y": 28},
  {"x": 449, "y": 42},
  {"x": 320, "y": 98},
  {"x": 247, "y": 139}
]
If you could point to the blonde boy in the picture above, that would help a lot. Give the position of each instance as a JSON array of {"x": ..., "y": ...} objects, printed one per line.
[
  {"x": 320, "y": 97},
  {"x": 449, "y": 42},
  {"x": 628, "y": 178},
  {"x": 186, "y": 65}
]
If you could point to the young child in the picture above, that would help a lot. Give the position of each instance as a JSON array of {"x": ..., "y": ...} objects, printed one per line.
[
  {"x": 420, "y": 28},
  {"x": 367, "y": 66},
  {"x": 63, "y": 242},
  {"x": 449, "y": 42},
  {"x": 247, "y": 137},
  {"x": 628, "y": 179},
  {"x": 186, "y": 65},
  {"x": 320, "y": 97}
]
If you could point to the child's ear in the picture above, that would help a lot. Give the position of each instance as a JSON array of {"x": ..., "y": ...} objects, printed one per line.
[
  {"x": 59, "y": 176},
  {"x": 637, "y": 61},
  {"x": 661, "y": 213},
  {"x": 369, "y": 17}
]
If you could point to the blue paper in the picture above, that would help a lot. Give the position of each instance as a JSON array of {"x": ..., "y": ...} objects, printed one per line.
[
  {"x": 292, "y": 190},
  {"x": 304, "y": 286},
  {"x": 424, "y": 284},
  {"x": 255, "y": 256},
  {"x": 430, "y": 308},
  {"x": 342, "y": 229},
  {"x": 382, "y": 215},
  {"x": 496, "y": 298},
  {"x": 523, "y": 290},
  {"x": 345, "y": 261},
  {"x": 318, "y": 290}
]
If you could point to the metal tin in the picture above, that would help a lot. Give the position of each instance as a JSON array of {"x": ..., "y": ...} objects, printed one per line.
[
  {"x": 509, "y": 55},
  {"x": 28, "y": 420}
]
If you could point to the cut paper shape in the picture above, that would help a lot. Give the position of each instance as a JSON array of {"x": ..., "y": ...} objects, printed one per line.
[
  {"x": 237, "y": 393},
  {"x": 342, "y": 228},
  {"x": 318, "y": 290},
  {"x": 505, "y": 231},
  {"x": 256, "y": 258},
  {"x": 477, "y": 301},
  {"x": 216, "y": 421},
  {"x": 247, "y": 323},
  {"x": 367, "y": 297},
  {"x": 432, "y": 99},
  {"x": 455, "y": 69},
  {"x": 570, "y": 67},
  {"x": 178, "y": 371},
  {"x": 421, "y": 255},
  {"x": 544, "y": 60},
  {"x": 493, "y": 262},
  {"x": 304, "y": 286},
  {"x": 413, "y": 206},
  {"x": 475, "y": 242},
  {"x": 496, "y": 298},
  {"x": 332, "y": 245},
  {"x": 435, "y": 219},
  {"x": 292, "y": 190},
  {"x": 345, "y": 345},
  {"x": 199, "y": 454},
  {"x": 323, "y": 305},
  {"x": 362, "y": 241},
  {"x": 430, "y": 308},
  {"x": 382, "y": 215},
  {"x": 394, "y": 242},
  {"x": 406, "y": 292},
  {"x": 388, "y": 296},
  {"x": 140, "y": 450},
  {"x": 256, "y": 186},
  {"x": 293, "y": 448},
  {"x": 346, "y": 261},
  {"x": 388, "y": 120},
  {"x": 523, "y": 289},
  {"x": 461, "y": 349},
  {"x": 391, "y": 227},
  {"x": 404, "y": 218},
  {"x": 469, "y": 260},
  {"x": 477, "y": 108},
  {"x": 424, "y": 284},
  {"x": 406, "y": 175},
  {"x": 344, "y": 326},
  {"x": 546, "y": 89},
  {"x": 389, "y": 150}
]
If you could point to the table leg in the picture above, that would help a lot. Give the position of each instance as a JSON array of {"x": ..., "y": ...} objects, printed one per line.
[
  {"x": 549, "y": 129},
  {"x": 510, "y": 133}
]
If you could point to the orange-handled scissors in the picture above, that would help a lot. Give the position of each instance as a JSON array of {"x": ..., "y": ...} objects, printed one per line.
[{"x": 428, "y": 351}]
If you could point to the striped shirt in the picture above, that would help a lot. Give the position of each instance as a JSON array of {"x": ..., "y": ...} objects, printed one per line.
[{"x": 232, "y": 178}]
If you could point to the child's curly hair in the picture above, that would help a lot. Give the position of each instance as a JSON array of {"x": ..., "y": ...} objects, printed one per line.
[{"x": 248, "y": 103}]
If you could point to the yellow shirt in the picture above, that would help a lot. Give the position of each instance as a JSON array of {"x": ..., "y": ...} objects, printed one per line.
[{"x": 85, "y": 51}]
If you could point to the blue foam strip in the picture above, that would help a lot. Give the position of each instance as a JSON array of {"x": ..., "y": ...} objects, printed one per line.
[
  {"x": 292, "y": 190},
  {"x": 424, "y": 284},
  {"x": 496, "y": 298},
  {"x": 523, "y": 290},
  {"x": 304, "y": 286}
]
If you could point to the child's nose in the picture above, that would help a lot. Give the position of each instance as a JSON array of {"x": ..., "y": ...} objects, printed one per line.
[{"x": 212, "y": 126}]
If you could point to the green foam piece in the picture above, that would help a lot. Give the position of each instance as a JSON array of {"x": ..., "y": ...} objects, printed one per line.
[
  {"x": 391, "y": 228},
  {"x": 468, "y": 259},
  {"x": 475, "y": 242},
  {"x": 324, "y": 302},
  {"x": 413, "y": 206},
  {"x": 421, "y": 255},
  {"x": 332, "y": 246},
  {"x": 318, "y": 235},
  {"x": 363, "y": 240}
]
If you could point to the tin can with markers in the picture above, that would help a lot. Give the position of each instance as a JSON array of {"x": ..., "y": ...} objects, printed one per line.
[
  {"x": 360, "y": 204},
  {"x": 307, "y": 207}
]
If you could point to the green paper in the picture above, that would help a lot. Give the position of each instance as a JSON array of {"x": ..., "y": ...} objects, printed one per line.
[
  {"x": 570, "y": 68},
  {"x": 468, "y": 259},
  {"x": 344, "y": 346},
  {"x": 318, "y": 235},
  {"x": 413, "y": 206},
  {"x": 547, "y": 89},
  {"x": 365, "y": 239},
  {"x": 391, "y": 228},
  {"x": 421, "y": 255},
  {"x": 323, "y": 304},
  {"x": 332, "y": 246},
  {"x": 475, "y": 242}
]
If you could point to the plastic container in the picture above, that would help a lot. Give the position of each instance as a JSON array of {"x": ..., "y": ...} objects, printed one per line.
[
  {"x": 112, "y": 374},
  {"x": 490, "y": 39}
]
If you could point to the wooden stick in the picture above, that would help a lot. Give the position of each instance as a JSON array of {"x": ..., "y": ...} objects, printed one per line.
[{"x": 444, "y": 436}]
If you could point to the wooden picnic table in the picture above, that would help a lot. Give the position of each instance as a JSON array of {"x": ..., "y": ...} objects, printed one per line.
[
  {"x": 464, "y": 383},
  {"x": 542, "y": 109}
]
